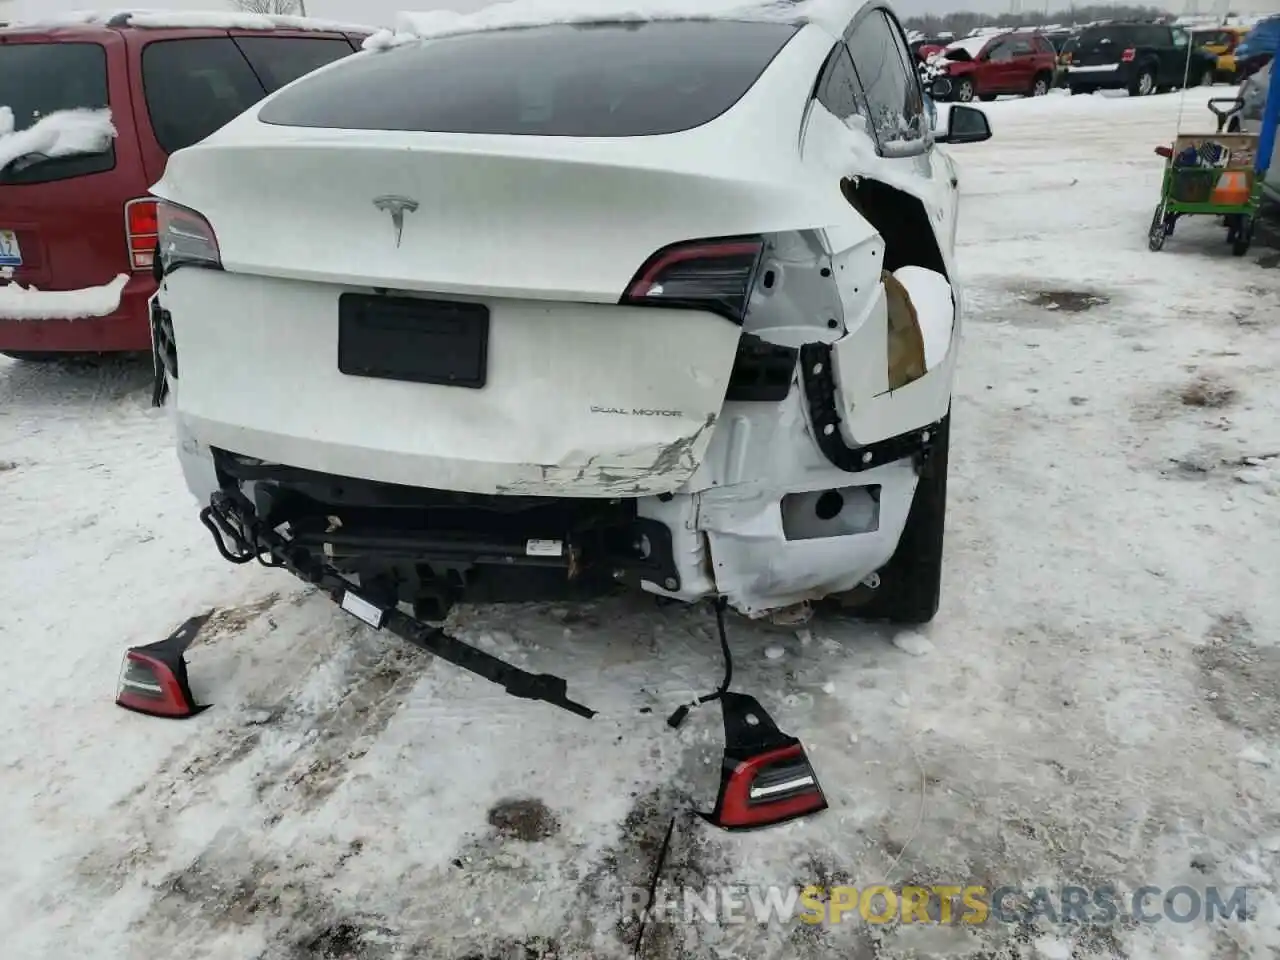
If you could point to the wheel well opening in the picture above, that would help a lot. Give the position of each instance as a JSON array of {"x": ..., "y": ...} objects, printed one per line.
[{"x": 901, "y": 221}]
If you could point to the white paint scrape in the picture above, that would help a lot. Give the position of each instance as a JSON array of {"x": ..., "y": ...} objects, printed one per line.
[
  {"x": 27, "y": 303},
  {"x": 61, "y": 134}
]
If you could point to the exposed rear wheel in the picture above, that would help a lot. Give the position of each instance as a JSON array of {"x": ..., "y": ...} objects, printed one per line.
[
  {"x": 1041, "y": 85},
  {"x": 965, "y": 91},
  {"x": 910, "y": 586},
  {"x": 1208, "y": 78}
]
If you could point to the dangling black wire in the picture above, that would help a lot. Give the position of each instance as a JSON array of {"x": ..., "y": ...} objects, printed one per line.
[{"x": 681, "y": 712}]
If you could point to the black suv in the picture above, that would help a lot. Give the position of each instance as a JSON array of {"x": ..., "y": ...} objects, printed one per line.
[{"x": 1143, "y": 58}]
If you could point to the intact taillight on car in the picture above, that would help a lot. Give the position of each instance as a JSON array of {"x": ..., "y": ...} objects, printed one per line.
[
  {"x": 186, "y": 238},
  {"x": 714, "y": 275},
  {"x": 141, "y": 230},
  {"x": 1129, "y": 55}
]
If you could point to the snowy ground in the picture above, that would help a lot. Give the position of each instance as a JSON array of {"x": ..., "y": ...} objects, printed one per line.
[{"x": 1097, "y": 701}]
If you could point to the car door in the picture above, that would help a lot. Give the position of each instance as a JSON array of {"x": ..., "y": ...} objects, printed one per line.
[
  {"x": 1180, "y": 48},
  {"x": 995, "y": 68},
  {"x": 1022, "y": 66}
]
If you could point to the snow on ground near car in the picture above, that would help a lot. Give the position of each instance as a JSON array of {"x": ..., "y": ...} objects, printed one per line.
[{"x": 1095, "y": 704}]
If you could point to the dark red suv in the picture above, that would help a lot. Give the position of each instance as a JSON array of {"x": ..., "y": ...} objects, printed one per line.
[
  {"x": 83, "y": 222},
  {"x": 985, "y": 67}
]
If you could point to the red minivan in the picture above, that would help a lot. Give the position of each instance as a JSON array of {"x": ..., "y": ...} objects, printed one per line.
[{"x": 80, "y": 222}]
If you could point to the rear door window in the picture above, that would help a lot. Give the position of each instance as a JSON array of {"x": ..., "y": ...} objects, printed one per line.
[
  {"x": 37, "y": 79},
  {"x": 281, "y": 60},
  {"x": 606, "y": 80},
  {"x": 193, "y": 87},
  {"x": 890, "y": 85}
]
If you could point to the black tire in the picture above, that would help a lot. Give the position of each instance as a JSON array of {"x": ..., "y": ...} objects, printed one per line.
[
  {"x": 1156, "y": 235},
  {"x": 1041, "y": 85},
  {"x": 965, "y": 91},
  {"x": 1243, "y": 239},
  {"x": 1208, "y": 78},
  {"x": 910, "y": 587},
  {"x": 1144, "y": 84}
]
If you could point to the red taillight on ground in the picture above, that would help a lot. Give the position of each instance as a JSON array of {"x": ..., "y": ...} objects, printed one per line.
[
  {"x": 713, "y": 275},
  {"x": 153, "y": 679},
  {"x": 769, "y": 788},
  {"x": 186, "y": 238},
  {"x": 141, "y": 229},
  {"x": 766, "y": 777},
  {"x": 1128, "y": 55}
]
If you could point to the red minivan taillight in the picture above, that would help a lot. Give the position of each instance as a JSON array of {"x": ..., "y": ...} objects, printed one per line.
[
  {"x": 186, "y": 238},
  {"x": 1128, "y": 55},
  {"x": 714, "y": 275},
  {"x": 141, "y": 230}
]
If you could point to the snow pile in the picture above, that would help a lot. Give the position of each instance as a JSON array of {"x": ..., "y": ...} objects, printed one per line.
[
  {"x": 970, "y": 45},
  {"x": 27, "y": 303},
  {"x": 411, "y": 26},
  {"x": 197, "y": 19},
  {"x": 60, "y": 134},
  {"x": 935, "y": 310}
]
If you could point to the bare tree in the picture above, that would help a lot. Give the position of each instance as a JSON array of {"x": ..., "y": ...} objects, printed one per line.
[{"x": 281, "y": 7}]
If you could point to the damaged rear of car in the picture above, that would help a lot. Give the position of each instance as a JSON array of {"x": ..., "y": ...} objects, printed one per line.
[{"x": 542, "y": 313}]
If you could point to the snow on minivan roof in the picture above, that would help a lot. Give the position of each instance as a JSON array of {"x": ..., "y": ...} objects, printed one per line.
[
  {"x": 410, "y": 26},
  {"x": 193, "y": 19}
]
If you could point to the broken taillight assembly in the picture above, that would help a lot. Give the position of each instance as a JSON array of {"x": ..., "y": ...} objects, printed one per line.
[
  {"x": 715, "y": 275},
  {"x": 766, "y": 777},
  {"x": 153, "y": 679},
  {"x": 186, "y": 238}
]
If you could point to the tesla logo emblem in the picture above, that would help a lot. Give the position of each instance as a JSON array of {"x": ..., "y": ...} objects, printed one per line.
[{"x": 397, "y": 207}]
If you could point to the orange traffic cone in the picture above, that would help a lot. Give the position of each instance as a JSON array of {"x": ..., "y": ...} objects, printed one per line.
[{"x": 1233, "y": 188}]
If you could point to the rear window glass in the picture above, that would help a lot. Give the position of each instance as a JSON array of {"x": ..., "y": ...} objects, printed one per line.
[
  {"x": 37, "y": 79},
  {"x": 193, "y": 87},
  {"x": 281, "y": 60},
  {"x": 612, "y": 80}
]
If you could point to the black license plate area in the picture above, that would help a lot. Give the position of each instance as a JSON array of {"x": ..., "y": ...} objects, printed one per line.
[{"x": 414, "y": 340}]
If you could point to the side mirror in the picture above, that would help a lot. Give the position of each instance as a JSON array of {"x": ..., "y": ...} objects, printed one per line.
[{"x": 965, "y": 125}]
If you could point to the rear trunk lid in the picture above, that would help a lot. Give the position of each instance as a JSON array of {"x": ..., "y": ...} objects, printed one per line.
[
  {"x": 581, "y": 395},
  {"x": 62, "y": 220},
  {"x": 528, "y": 199},
  {"x": 1102, "y": 46}
]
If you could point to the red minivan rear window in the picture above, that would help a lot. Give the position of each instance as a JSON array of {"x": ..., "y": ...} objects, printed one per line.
[{"x": 37, "y": 79}]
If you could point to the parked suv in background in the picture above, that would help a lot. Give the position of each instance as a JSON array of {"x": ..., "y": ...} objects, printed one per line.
[
  {"x": 81, "y": 229},
  {"x": 1143, "y": 58},
  {"x": 1020, "y": 63}
]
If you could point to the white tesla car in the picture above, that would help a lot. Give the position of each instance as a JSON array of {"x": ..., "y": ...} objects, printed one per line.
[{"x": 520, "y": 309}]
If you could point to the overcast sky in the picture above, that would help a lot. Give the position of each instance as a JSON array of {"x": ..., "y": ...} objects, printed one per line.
[{"x": 382, "y": 11}]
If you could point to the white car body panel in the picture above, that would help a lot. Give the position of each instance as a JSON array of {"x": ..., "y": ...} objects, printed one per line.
[{"x": 584, "y": 398}]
